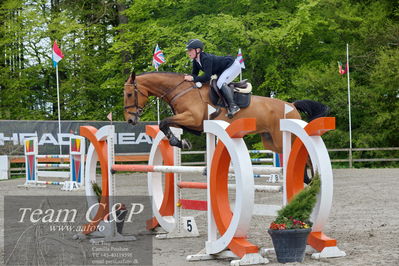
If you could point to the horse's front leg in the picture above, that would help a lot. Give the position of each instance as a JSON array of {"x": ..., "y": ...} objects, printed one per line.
[{"x": 164, "y": 126}]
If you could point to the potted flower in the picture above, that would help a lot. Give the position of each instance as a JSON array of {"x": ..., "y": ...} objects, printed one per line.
[{"x": 290, "y": 230}]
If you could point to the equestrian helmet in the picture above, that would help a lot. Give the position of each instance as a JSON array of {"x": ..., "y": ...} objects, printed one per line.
[{"x": 194, "y": 44}]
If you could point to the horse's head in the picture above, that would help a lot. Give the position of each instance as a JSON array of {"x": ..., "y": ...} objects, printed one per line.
[{"x": 135, "y": 97}]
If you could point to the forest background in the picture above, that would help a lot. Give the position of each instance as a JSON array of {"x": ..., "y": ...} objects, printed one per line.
[{"x": 290, "y": 48}]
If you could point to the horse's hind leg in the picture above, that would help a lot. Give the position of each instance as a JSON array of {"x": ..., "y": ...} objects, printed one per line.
[{"x": 272, "y": 142}]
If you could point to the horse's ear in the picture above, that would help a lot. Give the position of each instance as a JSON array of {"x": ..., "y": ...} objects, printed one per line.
[{"x": 132, "y": 77}]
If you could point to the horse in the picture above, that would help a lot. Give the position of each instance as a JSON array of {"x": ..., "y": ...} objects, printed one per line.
[{"x": 190, "y": 107}]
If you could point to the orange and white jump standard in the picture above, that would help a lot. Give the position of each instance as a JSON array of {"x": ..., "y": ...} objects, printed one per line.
[
  {"x": 232, "y": 225},
  {"x": 101, "y": 145},
  {"x": 308, "y": 141}
]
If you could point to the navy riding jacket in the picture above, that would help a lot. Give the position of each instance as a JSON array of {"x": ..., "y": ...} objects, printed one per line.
[{"x": 210, "y": 65}]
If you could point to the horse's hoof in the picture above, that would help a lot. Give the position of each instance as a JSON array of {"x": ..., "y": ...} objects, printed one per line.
[
  {"x": 186, "y": 144},
  {"x": 205, "y": 173},
  {"x": 175, "y": 142}
]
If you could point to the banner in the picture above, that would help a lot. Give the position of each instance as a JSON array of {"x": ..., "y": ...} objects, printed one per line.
[{"x": 128, "y": 139}]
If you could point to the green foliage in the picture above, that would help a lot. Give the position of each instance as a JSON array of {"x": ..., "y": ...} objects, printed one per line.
[
  {"x": 301, "y": 206},
  {"x": 290, "y": 48},
  {"x": 97, "y": 190}
]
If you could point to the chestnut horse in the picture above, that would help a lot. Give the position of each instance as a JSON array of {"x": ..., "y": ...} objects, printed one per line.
[{"x": 190, "y": 107}]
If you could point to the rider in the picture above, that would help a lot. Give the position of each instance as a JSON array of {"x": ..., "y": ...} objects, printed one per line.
[{"x": 225, "y": 67}]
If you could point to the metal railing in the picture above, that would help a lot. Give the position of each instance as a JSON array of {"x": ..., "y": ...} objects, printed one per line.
[
  {"x": 352, "y": 160},
  {"x": 332, "y": 151}
]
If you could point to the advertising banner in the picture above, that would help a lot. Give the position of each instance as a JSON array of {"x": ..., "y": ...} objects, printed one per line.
[{"x": 128, "y": 139}]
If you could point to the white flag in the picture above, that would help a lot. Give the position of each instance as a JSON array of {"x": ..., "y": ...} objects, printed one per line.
[
  {"x": 240, "y": 58},
  {"x": 109, "y": 116},
  {"x": 287, "y": 109}
]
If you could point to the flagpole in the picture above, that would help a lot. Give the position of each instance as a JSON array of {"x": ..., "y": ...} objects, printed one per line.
[
  {"x": 59, "y": 110},
  {"x": 158, "y": 109},
  {"x": 157, "y": 105},
  {"x": 349, "y": 107}
]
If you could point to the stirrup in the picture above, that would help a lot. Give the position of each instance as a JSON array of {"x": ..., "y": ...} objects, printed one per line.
[{"x": 231, "y": 111}]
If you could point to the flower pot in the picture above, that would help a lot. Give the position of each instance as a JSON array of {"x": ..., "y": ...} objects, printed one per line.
[{"x": 290, "y": 244}]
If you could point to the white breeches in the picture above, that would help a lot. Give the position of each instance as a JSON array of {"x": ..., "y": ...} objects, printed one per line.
[{"x": 229, "y": 74}]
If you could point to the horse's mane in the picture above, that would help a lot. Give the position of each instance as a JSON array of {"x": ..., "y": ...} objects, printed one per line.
[{"x": 160, "y": 72}]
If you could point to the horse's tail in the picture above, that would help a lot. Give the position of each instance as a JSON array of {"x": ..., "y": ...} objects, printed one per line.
[{"x": 312, "y": 109}]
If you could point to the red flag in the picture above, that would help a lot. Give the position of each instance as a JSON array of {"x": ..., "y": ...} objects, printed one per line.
[
  {"x": 57, "y": 54},
  {"x": 341, "y": 70},
  {"x": 158, "y": 58}
]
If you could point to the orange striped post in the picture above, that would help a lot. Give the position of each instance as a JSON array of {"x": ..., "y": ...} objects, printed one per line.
[
  {"x": 219, "y": 187},
  {"x": 167, "y": 207},
  {"x": 89, "y": 132},
  {"x": 295, "y": 173},
  {"x": 309, "y": 145}
]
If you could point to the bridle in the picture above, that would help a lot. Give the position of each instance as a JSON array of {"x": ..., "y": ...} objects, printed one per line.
[{"x": 139, "y": 109}]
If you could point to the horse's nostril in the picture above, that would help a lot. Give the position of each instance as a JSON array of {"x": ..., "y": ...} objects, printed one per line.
[{"x": 130, "y": 121}]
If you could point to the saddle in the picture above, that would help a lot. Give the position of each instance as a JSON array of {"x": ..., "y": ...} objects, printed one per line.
[{"x": 242, "y": 93}]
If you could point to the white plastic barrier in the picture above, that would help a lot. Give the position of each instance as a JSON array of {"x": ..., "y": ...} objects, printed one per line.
[
  {"x": 4, "y": 167},
  {"x": 74, "y": 175}
]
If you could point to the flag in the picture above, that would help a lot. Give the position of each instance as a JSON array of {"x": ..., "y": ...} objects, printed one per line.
[
  {"x": 287, "y": 109},
  {"x": 109, "y": 116},
  {"x": 340, "y": 70},
  {"x": 158, "y": 58},
  {"x": 57, "y": 54},
  {"x": 240, "y": 58}
]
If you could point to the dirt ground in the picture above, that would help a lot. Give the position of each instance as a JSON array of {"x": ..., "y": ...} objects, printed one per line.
[{"x": 364, "y": 218}]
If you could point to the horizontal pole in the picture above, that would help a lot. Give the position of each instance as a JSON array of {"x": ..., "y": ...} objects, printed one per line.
[
  {"x": 158, "y": 168},
  {"x": 257, "y": 188},
  {"x": 267, "y": 170},
  {"x": 45, "y": 182},
  {"x": 260, "y": 151},
  {"x": 199, "y": 205},
  {"x": 192, "y": 152},
  {"x": 185, "y": 169},
  {"x": 133, "y": 167},
  {"x": 366, "y": 160},
  {"x": 54, "y": 165},
  {"x": 52, "y": 156},
  {"x": 366, "y": 149},
  {"x": 262, "y": 176},
  {"x": 55, "y": 174},
  {"x": 262, "y": 188},
  {"x": 262, "y": 160},
  {"x": 196, "y": 185}
]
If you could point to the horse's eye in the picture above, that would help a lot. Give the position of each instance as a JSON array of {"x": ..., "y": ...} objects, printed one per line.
[{"x": 129, "y": 95}]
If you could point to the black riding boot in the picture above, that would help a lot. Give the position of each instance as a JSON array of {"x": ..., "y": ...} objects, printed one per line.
[{"x": 228, "y": 95}]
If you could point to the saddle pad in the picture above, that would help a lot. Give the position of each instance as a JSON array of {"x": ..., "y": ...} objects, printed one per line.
[{"x": 241, "y": 99}]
